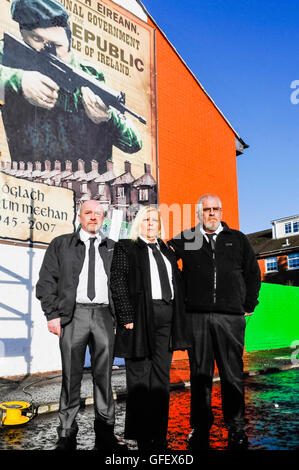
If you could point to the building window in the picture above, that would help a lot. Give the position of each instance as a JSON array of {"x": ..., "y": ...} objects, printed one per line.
[
  {"x": 288, "y": 227},
  {"x": 143, "y": 194},
  {"x": 84, "y": 188},
  {"x": 293, "y": 261},
  {"x": 101, "y": 190},
  {"x": 120, "y": 191},
  {"x": 271, "y": 265}
]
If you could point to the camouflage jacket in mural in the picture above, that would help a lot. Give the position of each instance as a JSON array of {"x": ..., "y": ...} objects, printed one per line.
[{"x": 65, "y": 132}]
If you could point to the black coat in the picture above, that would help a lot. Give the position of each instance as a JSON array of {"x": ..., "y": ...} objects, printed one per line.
[
  {"x": 60, "y": 271},
  {"x": 130, "y": 285},
  {"x": 227, "y": 282}
]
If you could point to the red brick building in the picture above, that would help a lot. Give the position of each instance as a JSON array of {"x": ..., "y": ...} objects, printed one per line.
[
  {"x": 277, "y": 251},
  {"x": 197, "y": 146}
]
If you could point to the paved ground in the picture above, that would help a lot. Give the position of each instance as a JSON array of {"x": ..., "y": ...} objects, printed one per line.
[
  {"x": 44, "y": 389},
  {"x": 272, "y": 409},
  {"x": 272, "y": 413}
]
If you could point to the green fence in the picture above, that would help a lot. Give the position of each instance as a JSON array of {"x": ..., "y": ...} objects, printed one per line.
[{"x": 275, "y": 323}]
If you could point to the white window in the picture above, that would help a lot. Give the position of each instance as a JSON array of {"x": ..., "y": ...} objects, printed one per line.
[
  {"x": 296, "y": 226},
  {"x": 120, "y": 191},
  {"x": 143, "y": 194},
  {"x": 83, "y": 187},
  {"x": 293, "y": 261},
  {"x": 271, "y": 264},
  {"x": 290, "y": 227},
  {"x": 101, "y": 189}
]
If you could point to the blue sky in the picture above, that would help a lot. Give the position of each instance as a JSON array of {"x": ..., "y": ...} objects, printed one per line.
[{"x": 246, "y": 55}]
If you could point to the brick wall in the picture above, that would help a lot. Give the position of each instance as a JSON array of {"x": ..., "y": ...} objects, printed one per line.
[{"x": 196, "y": 146}]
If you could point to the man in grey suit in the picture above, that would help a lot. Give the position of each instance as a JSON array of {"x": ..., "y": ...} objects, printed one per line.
[{"x": 73, "y": 288}]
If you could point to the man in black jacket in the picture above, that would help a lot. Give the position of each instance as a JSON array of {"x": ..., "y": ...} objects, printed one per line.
[
  {"x": 221, "y": 279},
  {"x": 74, "y": 294}
]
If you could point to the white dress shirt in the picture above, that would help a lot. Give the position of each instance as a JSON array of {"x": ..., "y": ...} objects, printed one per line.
[
  {"x": 101, "y": 281},
  {"x": 155, "y": 279},
  {"x": 219, "y": 229}
]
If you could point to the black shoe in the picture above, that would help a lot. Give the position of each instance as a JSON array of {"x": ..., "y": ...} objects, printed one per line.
[
  {"x": 199, "y": 439},
  {"x": 160, "y": 446},
  {"x": 106, "y": 441},
  {"x": 145, "y": 446},
  {"x": 114, "y": 446},
  {"x": 66, "y": 443},
  {"x": 237, "y": 440},
  {"x": 67, "y": 439}
]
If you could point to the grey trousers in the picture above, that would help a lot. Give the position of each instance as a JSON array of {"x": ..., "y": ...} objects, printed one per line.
[{"x": 93, "y": 326}]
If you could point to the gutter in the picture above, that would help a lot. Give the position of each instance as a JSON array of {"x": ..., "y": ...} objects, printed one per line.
[{"x": 277, "y": 251}]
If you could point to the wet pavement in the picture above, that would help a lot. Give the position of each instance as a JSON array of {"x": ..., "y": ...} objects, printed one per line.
[
  {"x": 272, "y": 406},
  {"x": 272, "y": 411}
]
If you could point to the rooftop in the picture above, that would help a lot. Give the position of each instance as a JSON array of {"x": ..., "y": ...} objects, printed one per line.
[{"x": 263, "y": 243}]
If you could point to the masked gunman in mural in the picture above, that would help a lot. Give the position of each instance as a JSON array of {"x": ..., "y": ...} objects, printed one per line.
[
  {"x": 44, "y": 121},
  {"x": 73, "y": 288},
  {"x": 221, "y": 280},
  {"x": 151, "y": 324}
]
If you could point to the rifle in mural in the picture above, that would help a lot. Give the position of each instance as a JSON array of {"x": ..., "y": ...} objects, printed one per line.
[{"x": 17, "y": 54}]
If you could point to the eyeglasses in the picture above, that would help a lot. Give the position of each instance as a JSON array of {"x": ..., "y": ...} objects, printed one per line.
[{"x": 214, "y": 209}]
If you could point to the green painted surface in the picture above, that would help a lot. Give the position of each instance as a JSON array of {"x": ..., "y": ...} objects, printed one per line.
[{"x": 275, "y": 323}]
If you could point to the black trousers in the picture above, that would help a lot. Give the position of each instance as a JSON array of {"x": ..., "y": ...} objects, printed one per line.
[
  {"x": 220, "y": 337},
  {"x": 92, "y": 326},
  {"x": 148, "y": 384}
]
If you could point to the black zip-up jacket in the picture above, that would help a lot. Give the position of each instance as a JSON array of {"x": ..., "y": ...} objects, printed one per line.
[
  {"x": 59, "y": 274},
  {"x": 226, "y": 281}
]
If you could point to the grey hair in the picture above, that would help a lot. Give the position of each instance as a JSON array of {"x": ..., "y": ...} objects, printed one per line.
[{"x": 200, "y": 200}]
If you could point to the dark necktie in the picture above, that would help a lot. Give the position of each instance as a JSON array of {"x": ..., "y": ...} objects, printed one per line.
[
  {"x": 163, "y": 274},
  {"x": 211, "y": 240},
  {"x": 91, "y": 268}
]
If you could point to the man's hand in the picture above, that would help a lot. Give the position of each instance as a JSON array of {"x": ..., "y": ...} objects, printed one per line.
[
  {"x": 247, "y": 314},
  {"x": 129, "y": 326},
  {"x": 39, "y": 90},
  {"x": 94, "y": 107},
  {"x": 54, "y": 326}
]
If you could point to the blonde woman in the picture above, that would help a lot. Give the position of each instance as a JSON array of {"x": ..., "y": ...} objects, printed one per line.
[{"x": 150, "y": 325}]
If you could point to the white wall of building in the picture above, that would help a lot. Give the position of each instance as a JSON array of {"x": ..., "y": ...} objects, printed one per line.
[
  {"x": 279, "y": 227},
  {"x": 26, "y": 346}
]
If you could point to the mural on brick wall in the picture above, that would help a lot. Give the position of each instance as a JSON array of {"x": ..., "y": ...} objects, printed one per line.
[{"x": 78, "y": 114}]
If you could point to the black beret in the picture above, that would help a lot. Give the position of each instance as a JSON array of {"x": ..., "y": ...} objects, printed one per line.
[{"x": 31, "y": 14}]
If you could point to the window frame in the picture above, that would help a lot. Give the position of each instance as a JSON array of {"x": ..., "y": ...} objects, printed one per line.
[
  {"x": 296, "y": 223},
  {"x": 296, "y": 255},
  {"x": 143, "y": 192},
  {"x": 266, "y": 264},
  {"x": 288, "y": 230}
]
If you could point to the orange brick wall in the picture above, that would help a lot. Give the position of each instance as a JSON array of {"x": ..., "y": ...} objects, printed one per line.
[
  {"x": 282, "y": 262},
  {"x": 261, "y": 263},
  {"x": 196, "y": 146}
]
